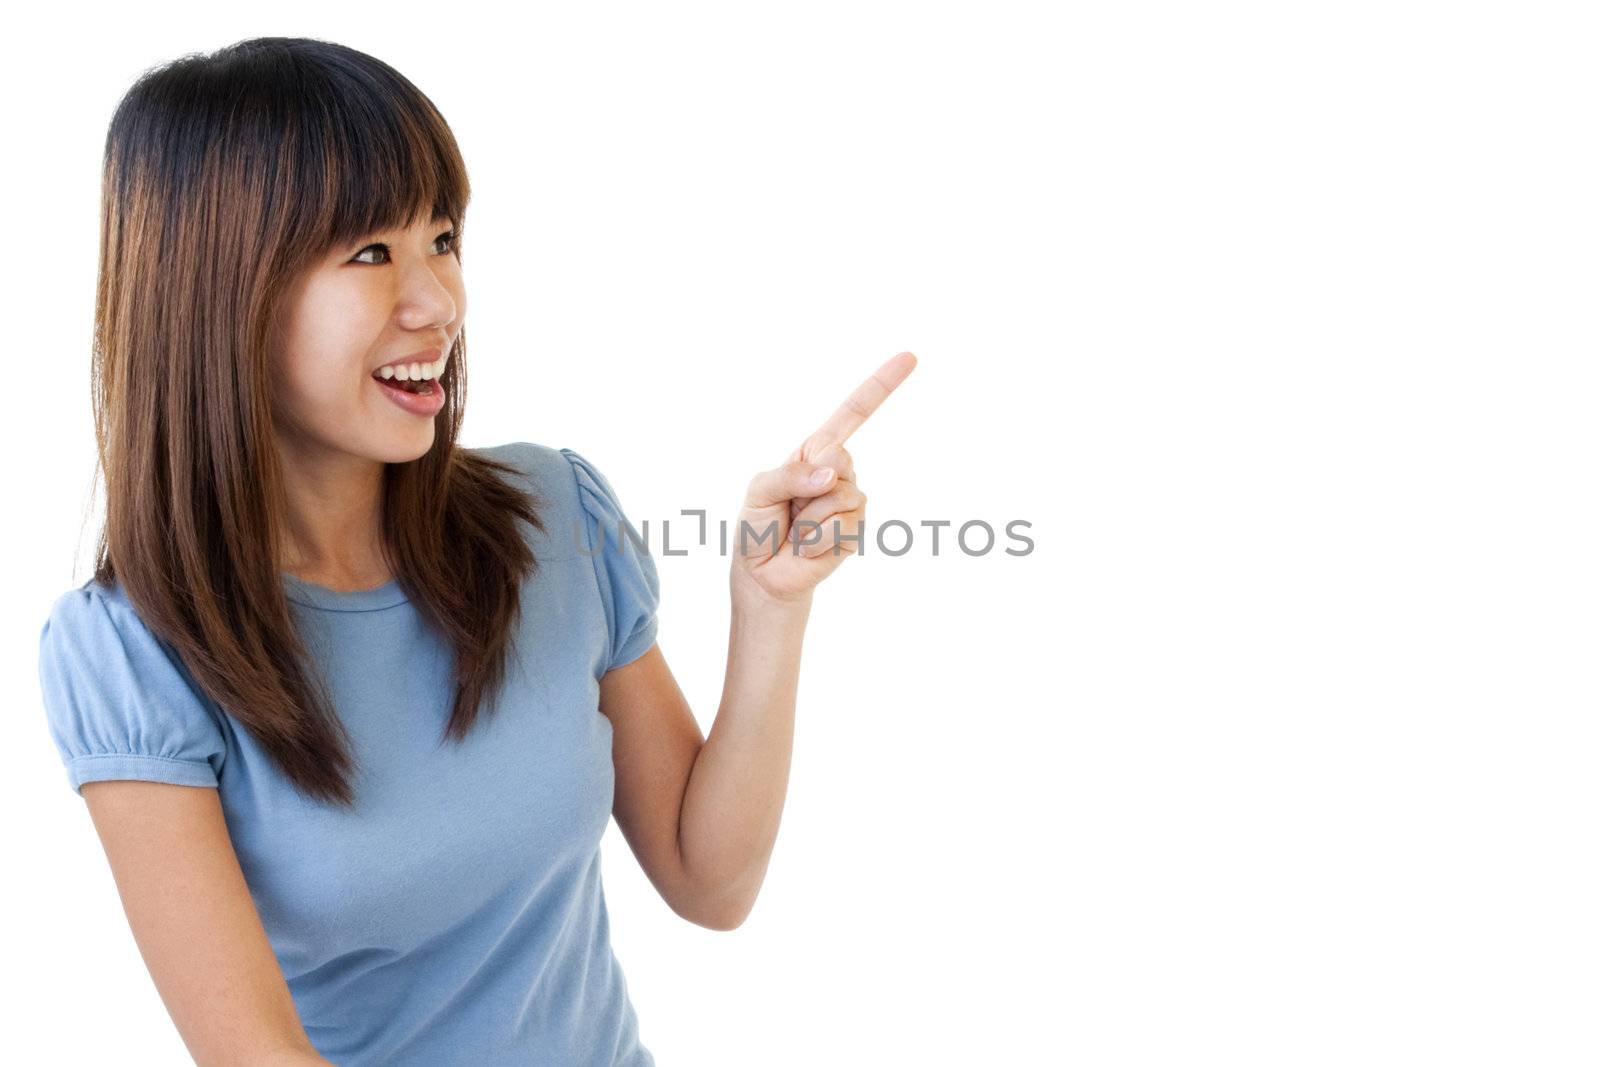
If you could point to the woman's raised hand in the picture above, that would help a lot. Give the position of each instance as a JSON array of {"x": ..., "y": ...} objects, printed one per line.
[{"x": 793, "y": 532}]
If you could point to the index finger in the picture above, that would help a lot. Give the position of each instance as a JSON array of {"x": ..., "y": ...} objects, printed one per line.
[{"x": 864, "y": 400}]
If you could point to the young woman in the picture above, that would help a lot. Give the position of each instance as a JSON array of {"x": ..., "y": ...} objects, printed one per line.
[{"x": 350, "y": 704}]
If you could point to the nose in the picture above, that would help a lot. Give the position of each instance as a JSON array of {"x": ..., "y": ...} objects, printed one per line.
[{"x": 429, "y": 302}]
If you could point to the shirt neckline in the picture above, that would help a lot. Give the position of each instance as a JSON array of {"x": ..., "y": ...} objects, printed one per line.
[{"x": 312, "y": 595}]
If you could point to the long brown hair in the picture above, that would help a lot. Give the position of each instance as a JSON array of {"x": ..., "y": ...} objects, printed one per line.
[{"x": 225, "y": 175}]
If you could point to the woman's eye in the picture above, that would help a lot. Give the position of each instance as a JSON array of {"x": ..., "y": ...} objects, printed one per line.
[{"x": 450, "y": 238}]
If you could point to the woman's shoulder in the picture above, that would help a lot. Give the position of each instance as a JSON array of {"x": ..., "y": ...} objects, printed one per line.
[
  {"x": 538, "y": 464},
  {"x": 118, "y": 702},
  {"x": 563, "y": 485},
  {"x": 92, "y": 599},
  {"x": 573, "y": 489},
  {"x": 560, "y": 476},
  {"x": 526, "y": 456},
  {"x": 95, "y": 622}
]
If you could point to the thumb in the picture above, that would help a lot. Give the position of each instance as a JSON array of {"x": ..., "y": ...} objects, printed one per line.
[{"x": 778, "y": 486}]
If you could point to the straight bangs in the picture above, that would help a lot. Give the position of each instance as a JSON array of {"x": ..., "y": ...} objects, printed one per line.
[{"x": 367, "y": 154}]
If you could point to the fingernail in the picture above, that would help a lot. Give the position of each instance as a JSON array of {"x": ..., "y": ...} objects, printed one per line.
[{"x": 821, "y": 477}]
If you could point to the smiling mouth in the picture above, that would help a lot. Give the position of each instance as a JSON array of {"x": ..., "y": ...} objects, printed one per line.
[{"x": 420, "y": 388}]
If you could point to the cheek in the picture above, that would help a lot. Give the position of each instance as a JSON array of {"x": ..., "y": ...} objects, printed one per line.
[
  {"x": 318, "y": 391},
  {"x": 320, "y": 370}
]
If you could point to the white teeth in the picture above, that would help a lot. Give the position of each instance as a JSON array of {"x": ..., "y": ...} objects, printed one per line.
[{"x": 414, "y": 372}]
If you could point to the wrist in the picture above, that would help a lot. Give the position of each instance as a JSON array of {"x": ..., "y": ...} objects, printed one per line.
[{"x": 750, "y": 599}]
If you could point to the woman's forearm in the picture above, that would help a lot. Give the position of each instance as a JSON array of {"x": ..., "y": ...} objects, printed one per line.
[{"x": 734, "y": 798}]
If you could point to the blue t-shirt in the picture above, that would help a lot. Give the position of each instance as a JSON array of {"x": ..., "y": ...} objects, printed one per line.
[{"x": 456, "y": 915}]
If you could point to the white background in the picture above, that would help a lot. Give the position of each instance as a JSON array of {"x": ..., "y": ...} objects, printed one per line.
[{"x": 1276, "y": 321}]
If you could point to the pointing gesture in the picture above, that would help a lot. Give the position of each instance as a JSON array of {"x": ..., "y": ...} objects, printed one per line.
[
  {"x": 849, "y": 416},
  {"x": 793, "y": 531}
]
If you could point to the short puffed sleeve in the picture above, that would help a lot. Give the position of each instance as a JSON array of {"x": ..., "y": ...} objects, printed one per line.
[
  {"x": 117, "y": 702},
  {"x": 630, "y": 590}
]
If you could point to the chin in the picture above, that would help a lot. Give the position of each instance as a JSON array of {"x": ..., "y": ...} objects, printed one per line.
[{"x": 405, "y": 451}]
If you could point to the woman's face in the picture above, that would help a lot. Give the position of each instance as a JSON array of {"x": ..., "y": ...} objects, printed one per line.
[{"x": 390, "y": 297}]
